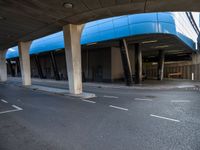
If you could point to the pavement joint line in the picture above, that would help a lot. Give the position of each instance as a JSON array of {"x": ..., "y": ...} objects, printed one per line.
[
  {"x": 160, "y": 117},
  {"x": 142, "y": 99},
  {"x": 88, "y": 101},
  {"x": 107, "y": 96},
  {"x": 180, "y": 101},
  {"x": 117, "y": 107},
  {"x": 4, "y": 101}
]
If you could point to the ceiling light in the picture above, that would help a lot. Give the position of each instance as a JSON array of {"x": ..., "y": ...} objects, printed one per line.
[
  {"x": 164, "y": 46},
  {"x": 91, "y": 44},
  {"x": 68, "y": 5},
  {"x": 147, "y": 42}
]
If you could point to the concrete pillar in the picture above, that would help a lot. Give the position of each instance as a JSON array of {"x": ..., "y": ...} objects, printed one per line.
[
  {"x": 25, "y": 66},
  {"x": 138, "y": 64},
  {"x": 3, "y": 66},
  {"x": 161, "y": 62},
  {"x": 72, "y": 35}
]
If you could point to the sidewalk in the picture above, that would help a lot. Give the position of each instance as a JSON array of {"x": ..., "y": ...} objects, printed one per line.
[{"x": 148, "y": 84}]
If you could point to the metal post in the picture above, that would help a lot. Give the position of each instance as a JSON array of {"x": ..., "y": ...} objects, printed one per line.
[
  {"x": 39, "y": 67},
  {"x": 54, "y": 65},
  {"x": 126, "y": 62}
]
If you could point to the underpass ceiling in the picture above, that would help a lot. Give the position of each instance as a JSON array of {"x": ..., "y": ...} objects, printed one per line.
[{"x": 24, "y": 20}]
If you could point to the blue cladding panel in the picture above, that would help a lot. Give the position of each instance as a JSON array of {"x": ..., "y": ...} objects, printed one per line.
[
  {"x": 164, "y": 27},
  {"x": 113, "y": 28},
  {"x": 143, "y": 28}
]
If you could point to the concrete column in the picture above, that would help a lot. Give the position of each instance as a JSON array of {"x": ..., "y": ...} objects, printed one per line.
[
  {"x": 3, "y": 66},
  {"x": 25, "y": 66},
  {"x": 138, "y": 64},
  {"x": 161, "y": 62},
  {"x": 72, "y": 35}
]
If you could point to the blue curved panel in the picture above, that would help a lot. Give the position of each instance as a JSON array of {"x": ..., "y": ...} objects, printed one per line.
[{"x": 119, "y": 27}]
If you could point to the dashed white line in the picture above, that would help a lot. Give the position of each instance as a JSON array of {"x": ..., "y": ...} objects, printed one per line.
[
  {"x": 117, "y": 107},
  {"x": 107, "y": 96},
  {"x": 160, "y": 117},
  {"x": 142, "y": 99},
  {"x": 88, "y": 101},
  {"x": 4, "y": 101},
  {"x": 16, "y": 107},
  {"x": 180, "y": 101}
]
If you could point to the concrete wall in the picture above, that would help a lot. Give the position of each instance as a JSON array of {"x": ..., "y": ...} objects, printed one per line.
[
  {"x": 116, "y": 64},
  {"x": 96, "y": 65},
  {"x": 186, "y": 69},
  {"x": 99, "y": 65}
]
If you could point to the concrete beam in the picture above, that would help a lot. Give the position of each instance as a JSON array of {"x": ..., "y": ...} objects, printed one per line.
[
  {"x": 24, "y": 58},
  {"x": 72, "y": 35},
  {"x": 161, "y": 62},
  {"x": 3, "y": 66}
]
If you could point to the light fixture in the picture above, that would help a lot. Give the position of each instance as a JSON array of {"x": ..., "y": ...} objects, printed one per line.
[
  {"x": 68, "y": 5},
  {"x": 91, "y": 44},
  {"x": 147, "y": 42},
  {"x": 164, "y": 46}
]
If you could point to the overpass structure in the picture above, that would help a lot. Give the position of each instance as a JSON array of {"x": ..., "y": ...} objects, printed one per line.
[
  {"x": 168, "y": 33},
  {"x": 24, "y": 21}
]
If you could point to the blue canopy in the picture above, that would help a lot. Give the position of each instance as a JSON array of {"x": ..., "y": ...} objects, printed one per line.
[{"x": 114, "y": 28}]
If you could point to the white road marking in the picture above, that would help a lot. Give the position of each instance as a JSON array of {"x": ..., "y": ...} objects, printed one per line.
[
  {"x": 107, "y": 96},
  {"x": 88, "y": 101},
  {"x": 4, "y": 101},
  {"x": 170, "y": 119},
  {"x": 180, "y": 101},
  {"x": 142, "y": 99},
  {"x": 117, "y": 107},
  {"x": 13, "y": 110},
  {"x": 16, "y": 107}
]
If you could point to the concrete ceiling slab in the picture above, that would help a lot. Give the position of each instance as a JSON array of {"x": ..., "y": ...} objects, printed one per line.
[{"x": 24, "y": 20}]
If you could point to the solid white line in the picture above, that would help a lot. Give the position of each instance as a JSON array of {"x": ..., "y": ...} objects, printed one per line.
[
  {"x": 180, "y": 101},
  {"x": 141, "y": 99},
  {"x": 89, "y": 101},
  {"x": 16, "y": 107},
  {"x": 117, "y": 107},
  {"x": 107, "y": 96},
  {"x": 9, "y": 111},
  {"x": 165, "y": 118},
  {"x": 4, "y": 101}
]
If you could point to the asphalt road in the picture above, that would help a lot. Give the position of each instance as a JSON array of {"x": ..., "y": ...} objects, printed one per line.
[{"x": 117, "y": 119}]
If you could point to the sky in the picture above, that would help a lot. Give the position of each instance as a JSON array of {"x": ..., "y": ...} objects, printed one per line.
[{"x": 196, "y": 18}]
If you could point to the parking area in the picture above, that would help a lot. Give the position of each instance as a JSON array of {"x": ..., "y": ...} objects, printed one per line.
[{"x": 115, "y": 119}]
